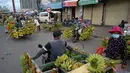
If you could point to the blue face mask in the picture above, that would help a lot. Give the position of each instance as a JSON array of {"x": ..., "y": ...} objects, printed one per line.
[{"x": 115, "y": 36}]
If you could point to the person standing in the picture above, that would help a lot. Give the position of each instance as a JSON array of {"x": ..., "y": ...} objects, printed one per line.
[
  {"x": 116, "y": 48},
  {"x": 37, "y": 24}
]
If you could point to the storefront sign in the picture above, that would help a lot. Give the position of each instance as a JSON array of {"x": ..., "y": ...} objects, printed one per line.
[
  {"x": 69, "y": 4},
  {"x": 53, "y": 6},
  {"x": 87, "y": 2}
]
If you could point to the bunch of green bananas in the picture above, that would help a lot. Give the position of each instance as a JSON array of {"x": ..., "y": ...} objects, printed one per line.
[
  {"x": 112, "y": 63},
  {"x": 24, "y": 63},
  {"x": 70, "y": 54},
  {"x": 68, "y": 33},
  {"x": 60, "y": 59},
  {"x": 67, "y": 65},
  {"x": 105, "y": 42},
  {"x": 96, "y": 63},
  {"x": 87, "y": 33}
]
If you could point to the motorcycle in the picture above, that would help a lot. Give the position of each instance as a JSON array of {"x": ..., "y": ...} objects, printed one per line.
[
  {"x": 126, "y": 29},
  {"x": 77, "y": 32}
]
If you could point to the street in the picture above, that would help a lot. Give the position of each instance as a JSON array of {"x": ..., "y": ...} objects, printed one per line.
[{"x": 15, "y": 47}]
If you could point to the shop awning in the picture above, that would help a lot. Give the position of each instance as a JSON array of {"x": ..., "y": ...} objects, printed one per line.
[
  {"x": 69, "y": 3},
  {"x": 87, "y": 2},
  {"x": 57, "y": 5}
]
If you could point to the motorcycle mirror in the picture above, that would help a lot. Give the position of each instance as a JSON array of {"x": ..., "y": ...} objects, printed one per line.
[{"x": 40, "y": 46}]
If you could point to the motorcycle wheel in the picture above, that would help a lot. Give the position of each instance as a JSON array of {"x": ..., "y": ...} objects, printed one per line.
[{"x": 74, "y": 40}]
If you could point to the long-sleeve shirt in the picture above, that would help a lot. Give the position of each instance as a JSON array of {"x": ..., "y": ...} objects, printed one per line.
[
  {"x": 117, "y": 49},
  {"x": 56, "y": 47}
]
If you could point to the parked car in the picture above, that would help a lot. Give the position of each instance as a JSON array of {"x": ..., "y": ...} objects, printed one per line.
[{"x": 47, "y": 17}]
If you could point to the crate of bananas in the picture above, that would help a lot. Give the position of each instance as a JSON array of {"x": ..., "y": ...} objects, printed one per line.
[{"x": 23, "y": 31}]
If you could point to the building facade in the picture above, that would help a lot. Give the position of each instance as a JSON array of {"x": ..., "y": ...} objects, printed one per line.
[
  {"x": 100, "y": 12},
  {"x": 28, "y": 4}
]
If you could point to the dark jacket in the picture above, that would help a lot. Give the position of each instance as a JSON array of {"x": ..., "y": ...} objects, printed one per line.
[{"x": 117, "y": 49}]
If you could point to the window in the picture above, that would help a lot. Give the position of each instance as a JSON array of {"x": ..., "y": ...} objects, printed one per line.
[
  {"x": 51, "y": 15},
  {"x": 44, "y": 14}
]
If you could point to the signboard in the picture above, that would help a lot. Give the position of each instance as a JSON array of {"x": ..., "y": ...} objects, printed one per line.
[
  {"x": 48, "y": 9},
  {"x": 87, "y": 2},
  {"x": 69, "y": 4}
]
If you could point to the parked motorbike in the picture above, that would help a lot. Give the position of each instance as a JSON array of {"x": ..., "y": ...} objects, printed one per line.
[{"x": 70, "y": 22}]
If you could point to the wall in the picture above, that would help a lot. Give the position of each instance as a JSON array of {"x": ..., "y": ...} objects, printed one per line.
[
  {"x": 97, "y": 14},
  {"x": 87, "y": 12}
]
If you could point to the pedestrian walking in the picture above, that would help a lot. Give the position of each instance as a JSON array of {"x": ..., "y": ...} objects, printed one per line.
[
  {"x": 5, "y": 25},
  {"x": 37, "y": 24},
  {"x": 116, "y": 48}
]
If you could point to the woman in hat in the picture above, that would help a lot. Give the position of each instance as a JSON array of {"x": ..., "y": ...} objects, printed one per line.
[{"x": 116, "y": 49}]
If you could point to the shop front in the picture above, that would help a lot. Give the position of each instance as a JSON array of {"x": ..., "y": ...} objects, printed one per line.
[
  {"x": 116, "y": 11},
  {"x": 69, "y": 9},
  {"x": 91, "y": 10}
]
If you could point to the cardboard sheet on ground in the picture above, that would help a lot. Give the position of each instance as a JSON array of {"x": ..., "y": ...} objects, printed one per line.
[{"x": 82, "y": 69}]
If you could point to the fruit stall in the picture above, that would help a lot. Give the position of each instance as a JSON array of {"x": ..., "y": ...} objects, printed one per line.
[{"x": 71, "y": 62}]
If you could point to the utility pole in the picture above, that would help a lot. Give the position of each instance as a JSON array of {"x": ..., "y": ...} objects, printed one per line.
[{"x": 13, "y": 3}]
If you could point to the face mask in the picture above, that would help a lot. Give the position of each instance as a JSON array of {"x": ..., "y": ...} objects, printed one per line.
[{"x": 115, "y": 36}]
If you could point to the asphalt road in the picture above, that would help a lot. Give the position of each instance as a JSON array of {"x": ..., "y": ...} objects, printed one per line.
[{"x": 11, "y": 63}]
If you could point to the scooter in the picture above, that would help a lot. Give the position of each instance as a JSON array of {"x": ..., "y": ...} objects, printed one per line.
[
  {"x": 126, "y": 30},
  {"x": 76, "y": 34},
  {"x": 46, "y": 54},
  {"x": 78, "y": 31}
]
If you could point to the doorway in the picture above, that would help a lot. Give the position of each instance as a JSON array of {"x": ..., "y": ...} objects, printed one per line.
[{"x": 73, "y": 12}]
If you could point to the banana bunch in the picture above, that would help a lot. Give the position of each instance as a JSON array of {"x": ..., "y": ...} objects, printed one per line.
[
  {"x": 128, "y": 49},
  {"x": 96, "y": 63},
  {"x": 87, "y": 33},
  {"x": 24, "y": 63},
  {"x": 67, "y": 65},
  {"x": 14, "y": 33},
  {"x": 60, "y": 59},
  {"x": 105, "y": 42},
  {"x": 20, "y": 32},
  {"x": 68, "y": 33},
  {"x": 112, "y": 63}
]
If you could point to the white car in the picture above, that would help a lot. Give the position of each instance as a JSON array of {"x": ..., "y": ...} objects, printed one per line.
[{"x": 47, "y": 17}]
